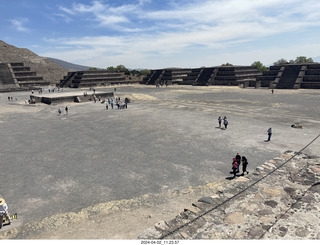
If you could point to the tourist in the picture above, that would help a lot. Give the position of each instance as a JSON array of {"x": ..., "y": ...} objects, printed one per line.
[
  {"x": 111, "y": 104},
  {"x": 238, "y": 158},
  {"x": 269, "y": 131},
  {"x": 4, "y": 210},
  {"x": 234, "y": 167},
  {"x": 107, "y": 106},
  {"x": 272, "y": 91},
  {"x": 219, "y": 120},
  {"x": 225, "y": 122},
  {"x": 59, "y": 111},
  {"x": 244, "y": 165},
  {"x": 66, "y": 109}
]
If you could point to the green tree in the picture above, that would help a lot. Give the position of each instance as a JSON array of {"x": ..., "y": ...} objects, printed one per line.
[
  {"x": 260, "y": 66},
  {"x": 282, "y": 61},
  {"x": 227, "y": 64},
  {"x": 303, "y": 59},
  {"x": 111, "y": 69},
  {"x": 121, "y": 68}
]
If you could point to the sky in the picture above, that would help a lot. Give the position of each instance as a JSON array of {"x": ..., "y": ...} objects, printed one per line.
[{"x": 155, "y": 34}]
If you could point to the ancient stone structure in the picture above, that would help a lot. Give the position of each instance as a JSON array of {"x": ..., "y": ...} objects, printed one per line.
[
  {"x": 21, "y": 68},
  {"x": 291, "y": 77},
  {"x": 92, "y": 78},
  {"x": 279, "y": 200},
  {"x": 70, "y": 97},
  {"x": 244, "y": 76}
]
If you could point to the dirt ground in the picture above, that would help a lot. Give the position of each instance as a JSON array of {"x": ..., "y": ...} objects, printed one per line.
[{"x": 127, "y": 218}]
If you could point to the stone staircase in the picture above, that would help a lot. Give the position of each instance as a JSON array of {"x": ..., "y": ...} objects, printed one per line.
[
  {"x": 290, "y": 76},
  {"x": 220, "y": 75},
  {"x": 93, "y": 78},
  {"x": 17, "y": 76},
  {"x": 25, "y": 77},
  {"x": 311, "y": 77}
]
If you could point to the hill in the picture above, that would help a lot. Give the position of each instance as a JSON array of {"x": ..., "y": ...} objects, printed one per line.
[{"x": 69, "y": 66}]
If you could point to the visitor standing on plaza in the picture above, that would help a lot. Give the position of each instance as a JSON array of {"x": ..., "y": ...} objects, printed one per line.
[
  {"x": 269, "y": 131},
  {"x": 238, "y": 159},
  {"x": 225, "y": 122},
  {"x": 234, "y": 167},
  {"x": 219, "y": 120},
  {"x": 66, "y": 109},
  {"x": 59, "y": 111},
  {"x": 244, "y": 165}
]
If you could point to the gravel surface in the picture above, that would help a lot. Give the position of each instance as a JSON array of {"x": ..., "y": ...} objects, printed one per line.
[{"x": 165, "y": 142}]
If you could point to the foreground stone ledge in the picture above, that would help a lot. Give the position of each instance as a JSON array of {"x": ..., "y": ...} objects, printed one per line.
[{"x": 284, "y": 205}]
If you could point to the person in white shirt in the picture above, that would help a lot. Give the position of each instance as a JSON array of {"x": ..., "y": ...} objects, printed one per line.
[{"x": 4, "y": 209}]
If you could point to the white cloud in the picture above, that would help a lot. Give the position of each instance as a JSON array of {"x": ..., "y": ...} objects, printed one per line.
[
  {"x": 19, "y": 24},
  {"x": 199, "y": 30}
]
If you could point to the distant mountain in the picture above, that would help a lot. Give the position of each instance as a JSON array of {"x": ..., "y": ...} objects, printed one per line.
[{"x": 70, "y": 66}]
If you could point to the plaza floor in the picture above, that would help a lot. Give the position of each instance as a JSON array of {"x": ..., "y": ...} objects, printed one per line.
[{"x": 167, "y": 140}]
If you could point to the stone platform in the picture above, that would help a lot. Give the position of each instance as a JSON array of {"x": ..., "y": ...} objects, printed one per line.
[{"x": 69, "y": 97}]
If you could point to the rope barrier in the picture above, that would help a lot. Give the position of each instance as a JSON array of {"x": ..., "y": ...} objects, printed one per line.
[{"x": 239, "y": 193}]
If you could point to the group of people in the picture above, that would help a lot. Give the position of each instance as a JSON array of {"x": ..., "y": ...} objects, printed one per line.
[
  {"x": 66, "y": 110},
  {"x": 120, "y": 105},
  {"x": 236, "y": 162},
  {"x": 225, "y": 122}
]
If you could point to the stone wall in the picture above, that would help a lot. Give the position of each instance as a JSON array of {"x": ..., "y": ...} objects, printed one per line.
[{"x": 279, "y": 200}]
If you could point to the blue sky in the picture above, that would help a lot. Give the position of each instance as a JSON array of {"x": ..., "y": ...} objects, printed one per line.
[{"x": 163, "y": 33}]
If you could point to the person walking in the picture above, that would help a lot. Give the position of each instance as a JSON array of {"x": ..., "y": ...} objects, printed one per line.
[
  {"x": 59, "y": 111},
  {"x": 244, "y": 165},
  {"x": 66, "y": 109},
  {"x": 234, "y": 167},
  {"x": 107, "y": 106},
  {"x": 238, "y": 159},
  {"x": 225, "y": 122},
  {"x": 219, "y": 120},
  {"x": 269, "y": 131}
]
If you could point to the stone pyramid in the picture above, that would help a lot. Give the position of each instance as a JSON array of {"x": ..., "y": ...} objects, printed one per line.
[{"x": 44, "y": 67}]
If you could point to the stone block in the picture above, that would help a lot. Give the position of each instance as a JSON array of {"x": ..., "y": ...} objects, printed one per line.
[
  {"x": 162, "y": 226},
  {"x": 193, "y": 209},
  {"x": 234, "y": 218},
  {"x": 207, "y": 200},
  {"x": 271, "y": 203},
  {"x": 274, "y": 192},
  {"x": 265, "y": 211},
  {"x": 184, "y": 235}
]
